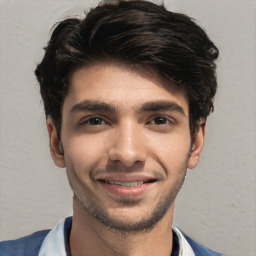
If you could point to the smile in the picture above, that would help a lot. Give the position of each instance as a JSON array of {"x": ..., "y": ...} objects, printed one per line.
[
  {"x": 126, "y": 183},
  {"x": 127, "y": 186}
]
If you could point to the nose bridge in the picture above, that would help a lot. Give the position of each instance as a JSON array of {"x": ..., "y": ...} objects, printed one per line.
[{"x": 128, "y": 146}]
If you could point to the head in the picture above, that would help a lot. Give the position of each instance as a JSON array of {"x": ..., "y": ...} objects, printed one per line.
[
  {"x": 135, "y": 33},
  {"x": 127, "y": 66}
]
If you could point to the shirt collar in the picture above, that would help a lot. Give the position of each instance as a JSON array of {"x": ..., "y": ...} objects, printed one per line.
[
  {"x": 56, "y": 243},
  {"x": 184, "y": 247}
]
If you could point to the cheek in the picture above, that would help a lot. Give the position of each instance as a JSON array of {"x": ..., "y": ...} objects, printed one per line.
[
  {"x": 85, "y": 153},
  {"x": 171, "y": 151},
  {"x": 174, "y": 143}
]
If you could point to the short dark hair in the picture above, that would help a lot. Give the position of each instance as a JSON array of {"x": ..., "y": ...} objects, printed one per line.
[{"x": 134, "y": 33}]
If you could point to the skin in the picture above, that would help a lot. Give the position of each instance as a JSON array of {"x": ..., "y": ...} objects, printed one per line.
[{"x": 124, "y": 125}]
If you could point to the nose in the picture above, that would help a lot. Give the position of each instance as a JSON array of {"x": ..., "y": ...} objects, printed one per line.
[{"x": 128, "y": 145}]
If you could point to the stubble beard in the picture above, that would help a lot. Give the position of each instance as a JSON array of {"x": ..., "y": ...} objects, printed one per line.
[{"x": 146, "y": 224}]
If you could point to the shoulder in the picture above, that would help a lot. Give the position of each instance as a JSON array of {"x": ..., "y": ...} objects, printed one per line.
[
  {"x": 25, "y": 246},
  {"x": 199, "y": 249}
]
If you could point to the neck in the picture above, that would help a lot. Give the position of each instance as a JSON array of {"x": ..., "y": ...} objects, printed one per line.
[{"x": 89, "y": 237}]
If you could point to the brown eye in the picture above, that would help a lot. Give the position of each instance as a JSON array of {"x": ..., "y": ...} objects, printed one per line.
[
  {"x": 160, "y": 120},
  {"x": 95, "y": 121}
]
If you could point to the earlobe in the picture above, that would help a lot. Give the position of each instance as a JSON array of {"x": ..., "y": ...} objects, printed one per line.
[
  {"x": 197, "y": 147},
  {"x": 55, "y": 145}
]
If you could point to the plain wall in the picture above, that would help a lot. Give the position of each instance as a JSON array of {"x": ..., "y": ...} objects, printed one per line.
[{"x": 217, "y": 205}]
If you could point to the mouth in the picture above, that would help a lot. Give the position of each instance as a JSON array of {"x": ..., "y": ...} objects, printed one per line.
[
  {"x": 127, "y": 183},
  {"x": 120, "y": 185}
]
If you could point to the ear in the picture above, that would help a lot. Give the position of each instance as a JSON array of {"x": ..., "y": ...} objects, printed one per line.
[
  {"x": 197, "y": 145},
  {"x": 55, "y": 146}
]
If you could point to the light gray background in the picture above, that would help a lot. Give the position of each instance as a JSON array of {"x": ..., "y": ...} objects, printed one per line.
[{"x": 217, "y": 205}]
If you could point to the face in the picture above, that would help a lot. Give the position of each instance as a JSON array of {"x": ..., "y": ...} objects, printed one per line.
[{"x": 126, "y": 142}]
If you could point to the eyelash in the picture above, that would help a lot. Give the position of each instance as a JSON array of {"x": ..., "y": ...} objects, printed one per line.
[
  {"x": 168, "y": 120},
  {"x": 90, "y": 118}
]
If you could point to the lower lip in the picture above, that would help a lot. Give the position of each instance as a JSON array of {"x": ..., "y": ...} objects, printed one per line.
[{"x": 117, "y": 190}]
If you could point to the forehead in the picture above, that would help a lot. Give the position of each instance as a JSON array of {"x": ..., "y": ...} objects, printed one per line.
[{"x": 122, "y": 86}]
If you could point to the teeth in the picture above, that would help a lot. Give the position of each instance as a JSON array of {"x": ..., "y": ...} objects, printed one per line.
[{"x": 125, "y": 184}]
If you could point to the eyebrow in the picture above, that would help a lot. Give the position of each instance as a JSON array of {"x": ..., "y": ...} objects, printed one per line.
[
  {"x": 154, "y": 106},
  {"x": 89, "y": 105},
  {"x": 162, "y": 106}
]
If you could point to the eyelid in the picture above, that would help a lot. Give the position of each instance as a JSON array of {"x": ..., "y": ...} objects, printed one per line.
[
  {"x": 171, "y": 120},
  {"x": 87, "y": 118}
]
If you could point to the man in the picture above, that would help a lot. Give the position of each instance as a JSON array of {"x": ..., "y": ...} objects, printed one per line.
[{"x": 126, "y": 92}]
